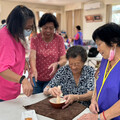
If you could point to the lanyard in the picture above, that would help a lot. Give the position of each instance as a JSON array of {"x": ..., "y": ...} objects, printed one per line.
[{"x": 105, "y": 77}]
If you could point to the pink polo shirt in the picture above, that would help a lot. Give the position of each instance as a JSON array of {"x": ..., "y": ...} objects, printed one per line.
[
  {"x": 12, "y": 56},
  {"x": 46, "y": 54}
]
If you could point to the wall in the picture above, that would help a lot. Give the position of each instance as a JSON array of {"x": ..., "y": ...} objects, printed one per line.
[
  {"x": 73, "y": 6},
  {"x": 112, "y": 1},
  {"x": 6, "y": 7},
  {"x": 89, "y": 27}
]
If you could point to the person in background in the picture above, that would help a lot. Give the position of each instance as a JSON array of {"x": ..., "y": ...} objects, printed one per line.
[
  {"x": 47, "y": 52},
  {"x": 76, "y": 79},
  {"x": 3, "y": 23},
  {"x": 20, "y": 23},
  {"x": 105, "y": 103},
  {"x": 66, "y": 42},
  {"x": 71, "y": 41},
  {"x": 78, "y": 39}
]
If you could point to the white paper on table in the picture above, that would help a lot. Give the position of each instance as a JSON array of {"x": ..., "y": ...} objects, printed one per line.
[
  {"x": 31, "y": 99},
  {"x": 29, "y": 114},
  {"x": 82, "y": 113}
]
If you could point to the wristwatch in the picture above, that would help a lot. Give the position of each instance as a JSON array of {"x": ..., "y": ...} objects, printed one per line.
[
  {"x": 21, "y": 79},
  {"x": 58, "y": 66}
]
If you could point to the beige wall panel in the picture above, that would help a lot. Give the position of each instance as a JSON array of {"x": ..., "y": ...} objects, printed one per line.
[
  {"x": 6, "y": 7},
  {"x": 112, "y": 1},
  {"x": 89, "y": 27},
  {"x": 69, "y": 22}
]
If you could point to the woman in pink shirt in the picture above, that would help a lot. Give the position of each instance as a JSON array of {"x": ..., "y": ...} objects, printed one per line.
[
  {"x": 47, "y": 52},
  {"x": 20, "y": 24}
]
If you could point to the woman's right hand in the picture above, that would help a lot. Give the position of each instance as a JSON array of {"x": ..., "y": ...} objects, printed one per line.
[
  {"x": 69, "y": 100},
  {"x": 27, "y": 87},
  {"x": 55, "y": 91},
  {"x": 94, "y": 107}
]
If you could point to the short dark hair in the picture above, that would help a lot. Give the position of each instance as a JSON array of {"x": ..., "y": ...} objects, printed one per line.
[
  {"x": 17, "y": 19},
  {"x": 108, "y": 33},
  {"x": 66, "y": 37},
  {"x": 78, "y": 27},
  {"x": 3, "y": 21},
  {"x": 75, "y": 51},
  {"x": 47, "y": 18}
]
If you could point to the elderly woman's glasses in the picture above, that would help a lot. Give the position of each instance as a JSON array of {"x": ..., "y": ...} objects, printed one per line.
[{"x": 74, "y": 64}]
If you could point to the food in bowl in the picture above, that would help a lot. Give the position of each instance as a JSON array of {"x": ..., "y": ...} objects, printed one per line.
[
  {"x": 28, "y": 118},
  {"x": 57, "y": 105}
]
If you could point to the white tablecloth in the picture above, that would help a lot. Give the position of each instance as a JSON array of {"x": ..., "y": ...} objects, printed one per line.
[{"x": 12, "y": 109}]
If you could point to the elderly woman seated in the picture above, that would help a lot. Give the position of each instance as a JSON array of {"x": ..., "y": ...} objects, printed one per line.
[{"x": 76, "y": 79}]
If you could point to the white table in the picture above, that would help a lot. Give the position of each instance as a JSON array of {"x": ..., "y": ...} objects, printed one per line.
[{"x": 12, "y": 109}]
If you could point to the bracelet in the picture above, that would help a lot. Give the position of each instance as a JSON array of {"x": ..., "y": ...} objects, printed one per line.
[
  {"x": 104, "y": 115},
  {"x": 21, "y": 79},
  {"x": 78, "y": 98},
  {"x": 47, "y": 89},
  {"x": 98, "y": 116}
]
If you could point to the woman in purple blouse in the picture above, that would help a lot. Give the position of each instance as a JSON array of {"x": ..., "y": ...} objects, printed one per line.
[
  {"x": 78, "y": 39},
  {"x": 105, "y": 104}
]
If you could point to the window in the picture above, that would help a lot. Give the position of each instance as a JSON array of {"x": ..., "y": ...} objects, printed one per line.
[
  {"x": 41, "y": 13},
  {"x": 54, "y": 14},
  {"x": 116, "y": 14}
]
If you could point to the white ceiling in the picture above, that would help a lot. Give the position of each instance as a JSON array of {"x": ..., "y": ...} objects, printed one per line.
[{"x": 52, "y": 2}]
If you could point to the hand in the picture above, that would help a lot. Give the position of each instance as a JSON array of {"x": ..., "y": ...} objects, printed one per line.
[
  {"x": 94, "y": 107},
  {"x": 96, "y": 73},
  {"x": 89, "y": 116},
  {"x": 55, "y": 91},
  {"x": 33, "y": 74},
  {"x": 54, "y": 68},
  {"x": 27, "y": 87},
  {"x": 69, "y": 100}
]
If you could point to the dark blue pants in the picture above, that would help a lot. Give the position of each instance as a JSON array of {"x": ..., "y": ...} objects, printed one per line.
[{"x": 40, "y": 86}]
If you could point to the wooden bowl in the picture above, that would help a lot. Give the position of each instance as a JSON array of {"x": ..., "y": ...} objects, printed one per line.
[{"x": 57, "y": 105}]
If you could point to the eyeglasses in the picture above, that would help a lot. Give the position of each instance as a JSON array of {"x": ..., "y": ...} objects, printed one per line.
[{"x": 74, "y": 64}]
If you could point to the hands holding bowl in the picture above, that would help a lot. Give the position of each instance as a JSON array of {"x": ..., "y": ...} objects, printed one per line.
[{"x": 60, "y": 101}]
